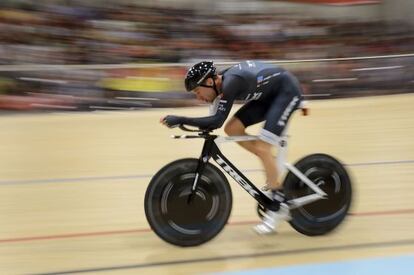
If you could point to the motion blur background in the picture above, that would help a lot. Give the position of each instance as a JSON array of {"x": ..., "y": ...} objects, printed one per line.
[
  {"x": 95, "y": 54},
  {"x": 73, "y": 175}
]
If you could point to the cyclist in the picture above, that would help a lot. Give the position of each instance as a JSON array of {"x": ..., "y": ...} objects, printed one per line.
[{"x": 271, "y": 94}]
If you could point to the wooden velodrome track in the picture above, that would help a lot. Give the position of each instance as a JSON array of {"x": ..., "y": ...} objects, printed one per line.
[{"x": 72, "y": 188}]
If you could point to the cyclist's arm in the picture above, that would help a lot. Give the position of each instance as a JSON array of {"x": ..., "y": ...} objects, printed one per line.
[
  {"x": 210, "y": 122},
  {"x": 233, "y": 87}
]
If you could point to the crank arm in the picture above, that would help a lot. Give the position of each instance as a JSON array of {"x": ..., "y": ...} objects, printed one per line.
[{"x": 298, "y": 202}]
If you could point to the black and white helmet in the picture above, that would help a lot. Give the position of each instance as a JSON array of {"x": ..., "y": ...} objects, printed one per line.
[{"x": 198, "y": 73}]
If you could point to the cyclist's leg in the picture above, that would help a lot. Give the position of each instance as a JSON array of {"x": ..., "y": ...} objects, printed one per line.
[
  {"x": 263, "y": 150},
  {"x": 260, "y": 148},
  {"x": 285, "y": 103},
  {"x": 251, "y": 113},
  {"x": 234, "y": 127}
]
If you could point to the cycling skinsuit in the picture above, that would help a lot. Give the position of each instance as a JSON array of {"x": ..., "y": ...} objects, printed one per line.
[{"x": 272, "y": 94}]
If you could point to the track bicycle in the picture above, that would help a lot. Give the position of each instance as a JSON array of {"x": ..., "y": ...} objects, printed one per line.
[{"x": 188, "y": 201}]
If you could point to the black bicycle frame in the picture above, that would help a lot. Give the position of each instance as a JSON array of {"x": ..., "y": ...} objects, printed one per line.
[{"x": 211, "y": 150}]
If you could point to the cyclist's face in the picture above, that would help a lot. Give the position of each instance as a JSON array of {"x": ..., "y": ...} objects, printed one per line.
[{"x": 204, "y": 93}]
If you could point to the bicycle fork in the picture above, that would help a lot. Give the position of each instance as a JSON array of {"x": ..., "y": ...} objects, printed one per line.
[{"x": 202, "y": 161}]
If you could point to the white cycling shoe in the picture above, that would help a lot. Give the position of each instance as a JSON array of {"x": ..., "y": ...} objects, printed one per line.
[{"x": 272, "y": 219}]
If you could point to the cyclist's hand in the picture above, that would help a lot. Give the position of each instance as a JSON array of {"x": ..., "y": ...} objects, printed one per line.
[{"x": 171, "y": 121}]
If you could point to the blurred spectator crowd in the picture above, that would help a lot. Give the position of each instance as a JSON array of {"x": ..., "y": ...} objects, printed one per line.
[
  {"x": 85, "y": 32},
  {"x": 35, "y": 32}
]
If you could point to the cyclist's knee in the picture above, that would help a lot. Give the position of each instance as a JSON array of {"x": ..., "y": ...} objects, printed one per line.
[{"x": 234, "y": 127}]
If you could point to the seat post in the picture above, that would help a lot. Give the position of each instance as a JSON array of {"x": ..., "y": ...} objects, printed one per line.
[{"x": 282, "y": 145}]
